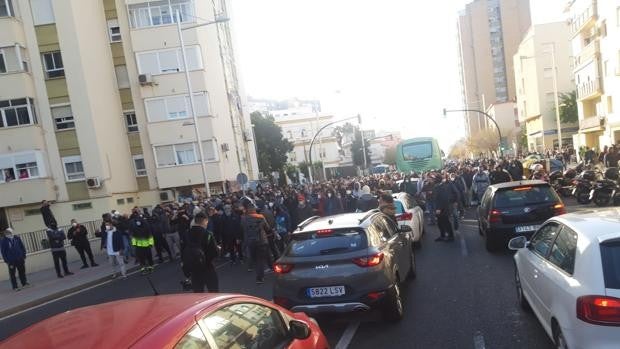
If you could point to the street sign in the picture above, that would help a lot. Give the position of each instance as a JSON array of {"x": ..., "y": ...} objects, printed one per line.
[{"x": 242, "y": 178}]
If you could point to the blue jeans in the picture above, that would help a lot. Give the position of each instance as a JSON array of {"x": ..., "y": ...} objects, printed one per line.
[
  {"x": 127, "y": 248},
  {"x": 430, "y": 206}
]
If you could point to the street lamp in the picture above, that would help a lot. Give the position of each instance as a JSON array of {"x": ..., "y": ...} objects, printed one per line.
[
  {"x": 499, "y": 132},
  {"x": 191, "y": 94},
  {"x": 555, "y": 91}
]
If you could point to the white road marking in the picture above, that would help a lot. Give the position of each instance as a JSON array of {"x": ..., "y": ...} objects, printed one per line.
[
  {"x": 80, "y": 291},
  {"x": 479, "y": 341},
  {"x": 347, "y": 335}
]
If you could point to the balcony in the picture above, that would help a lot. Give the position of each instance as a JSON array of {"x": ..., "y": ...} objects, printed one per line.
[
  {"x": 187, "y": 175},
  {"x": 587, "y": 54},
  {"x": 16, "y": 85},
  {"x": 592, "y": 123},
  {"x": 584, "y": 19},
  {"x": 26, "y": 192},
  {"x": 589, "y": 89}
]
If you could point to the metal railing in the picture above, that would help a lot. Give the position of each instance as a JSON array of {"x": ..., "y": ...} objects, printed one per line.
[{"x": 36, "y": 241}]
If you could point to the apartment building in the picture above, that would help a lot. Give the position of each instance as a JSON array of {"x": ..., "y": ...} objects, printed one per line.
[
  {"x": 595, "y": 40},
  {"x": 95, "y": 110},
  {"x": 489, "y": 33},
  {"x": 533, "y": 67},
  {"x": 299, "y": 130},
  {"x": 505, "y": 115}
]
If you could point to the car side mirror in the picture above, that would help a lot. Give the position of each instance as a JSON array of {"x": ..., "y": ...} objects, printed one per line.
[
  {"x": 405, "y": 229},
  {"x": 517, "y": 243},
  {"x": 299, "y": 330}
]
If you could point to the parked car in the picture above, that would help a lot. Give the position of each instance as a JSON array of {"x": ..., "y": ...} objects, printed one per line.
[
  {"x": 516, "y": 208},
  {"x": 408, "y": 212},
  {"x": 175, "y": 321},
  {"x": 569, "y": 275},
  {"x": 344, "y": 263}
]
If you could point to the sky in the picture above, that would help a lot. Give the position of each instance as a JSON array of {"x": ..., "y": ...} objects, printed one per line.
[{"x": 391, "y": 61}]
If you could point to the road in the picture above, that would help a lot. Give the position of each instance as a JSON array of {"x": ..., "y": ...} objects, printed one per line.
[{"x": 463, "y": 297}]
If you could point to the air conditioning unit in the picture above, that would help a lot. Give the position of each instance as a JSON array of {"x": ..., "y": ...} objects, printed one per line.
[
  {"x": 145, "y": 79},
  {"x": 93, "y": 182},
  {"x": 166, "y": 195},
  {"x": 225, "y": 147}
]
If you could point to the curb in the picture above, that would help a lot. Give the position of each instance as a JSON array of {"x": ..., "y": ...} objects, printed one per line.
[{"x": 49, "y": 297}]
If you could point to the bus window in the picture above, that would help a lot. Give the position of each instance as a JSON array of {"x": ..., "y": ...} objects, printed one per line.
[{"x": 414, "y": 151}]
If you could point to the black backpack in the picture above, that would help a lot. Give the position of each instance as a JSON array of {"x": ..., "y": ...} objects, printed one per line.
[{"x": 194, "y": 257}]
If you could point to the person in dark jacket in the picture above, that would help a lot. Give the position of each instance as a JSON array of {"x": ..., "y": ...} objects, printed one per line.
[
  {"x": 79, "y": 239},
  {"x": 515, "y": 168},
  {"x": 443, "y": 203},
  {"x": 387, "y": 207},
  {"x": 158, "y": 230},
  {"x": 232, "y": 234},
  {"x": 56, "y": 238},
  {"x": 46, "y": 213},
  {"x": 13, "y": 253},
  {"x": 499, "y": 175},
  {"x": 255, "y": 230},
  {"x": 112, "y": 242},
  {"x": 366, "y": 201},
  {"x": 304, "y": 211},
  {"x": 333, "y": 204},
  {"x": 142, "y": 240},
  {"x": 199, "y": 254}
]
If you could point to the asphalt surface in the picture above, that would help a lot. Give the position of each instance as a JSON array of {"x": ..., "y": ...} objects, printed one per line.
[{"x": 463, "y": 297}]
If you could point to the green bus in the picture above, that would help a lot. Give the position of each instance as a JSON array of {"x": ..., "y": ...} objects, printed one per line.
[{"x": 419, "y": 154}]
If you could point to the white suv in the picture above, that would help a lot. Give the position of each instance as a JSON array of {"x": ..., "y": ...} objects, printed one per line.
[{"x": 569, "y": 275}]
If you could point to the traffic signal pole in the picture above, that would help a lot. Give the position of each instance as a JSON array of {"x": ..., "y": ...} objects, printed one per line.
[{"x": 499, "y": 132}]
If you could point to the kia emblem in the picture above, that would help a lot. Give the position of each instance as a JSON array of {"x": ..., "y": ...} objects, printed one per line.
[{"x": 526, "y": 210}]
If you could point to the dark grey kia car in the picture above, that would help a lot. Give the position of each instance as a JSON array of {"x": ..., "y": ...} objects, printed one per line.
[{"x": 346, "y": 263}]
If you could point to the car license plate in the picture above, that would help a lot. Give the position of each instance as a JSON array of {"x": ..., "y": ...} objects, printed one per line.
[
  {"x": 526, "y": 228},
  {"x": 330, "y": 291}
]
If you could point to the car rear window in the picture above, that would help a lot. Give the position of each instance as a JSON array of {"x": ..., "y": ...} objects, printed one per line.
[
  {"x": 326, "y": 242},
  {"x": 610, "y": 257},
  {"x": 399, "y": 207},
  {"x": 524, "y": 196}
]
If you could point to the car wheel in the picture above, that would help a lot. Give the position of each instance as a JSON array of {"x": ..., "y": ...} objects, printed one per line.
[
  {"x": 560, "y": 341},
  {"x": 393, "y": 310},
  {"x": 412, "y": 267},
  {"x": 525, "y": 305}
]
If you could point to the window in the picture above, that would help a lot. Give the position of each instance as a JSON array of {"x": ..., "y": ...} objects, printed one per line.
[
  {"x": 74, "y": 171},
  {"x": 6, "y": 8},
  {"x": 42, "y": 11},
  {"x": 17, "y": 112},
  {"x": 20, "y": 166},
  {"x": 130, "y": 200},
  {"x": 122, "y": 77},
  {"x": 563, "y": 250},
  {"x": 2, "y": 62},
  {"x": 140, "y": 167},
  {"x": 63, "y": 118},
  {"x": 114, "y": 31},
  {"x": 165, "y": 156},
  {"x": 131, "y": 121},
  {"x": 26, "y": 166},
  {"x": 610, "y": 259},
  {"x": 542, "y": 240},
  {"x": 548, "y": 73},
  {"x": 120, "y": 201},
  {"x": 176, "y": 107},
  {"x": 185, "y": 153},
  {"x": 417, "y": 151},
  {"x": 247, "y": 325},
  {"x": 82, "y": 206},
  {"x": 157, "y": 13},
  {"x": 193, "y": 339},
  {"x": 53, "y": 65},
  {"x": 169, "y": 61},
  {"x": 209, "y": 148}
]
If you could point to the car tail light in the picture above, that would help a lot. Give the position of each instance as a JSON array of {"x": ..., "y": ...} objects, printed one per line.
[
  {"x": 369, "y": 261},
  {"x": 495, "y": 216},
  {"x": 324, "y": 232},
  {"x": 373, "y": 296},
  {"x": 407, "y": 216},
  {"x": 282, "y": 268},
  {"x": 599, "y": 310},
  {"x": 559, "y": 209}
]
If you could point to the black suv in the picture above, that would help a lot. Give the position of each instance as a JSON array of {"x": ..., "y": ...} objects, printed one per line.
[{"x": 516, "y": 208}]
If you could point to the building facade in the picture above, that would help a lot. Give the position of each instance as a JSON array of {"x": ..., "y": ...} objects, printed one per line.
[
  {"x": 595, "y": 40},
  {"x": 533, "y": 66},
  {"x": 95, "y": 111},
  {"x": 505, "y": 115},
  {"x": 489, "y": 32}
]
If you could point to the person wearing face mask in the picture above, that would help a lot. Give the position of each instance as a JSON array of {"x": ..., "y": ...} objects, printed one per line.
[
  {"x": 332, "y": 204},
  {"x": 142, "y": 240},
  {"x": 14, "y": 255},
  {"x": 79, "y": 239},
  {"x": 112, "y": 242},
  {"x": 56, "y": 238},
  {"x": 304, "y": 211},
  {"x": 231, "y": 225}
]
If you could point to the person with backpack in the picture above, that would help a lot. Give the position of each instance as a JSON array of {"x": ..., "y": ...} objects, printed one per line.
[
  {"x": 255, "y": 230},
  {"x": 198, "y": 255}
]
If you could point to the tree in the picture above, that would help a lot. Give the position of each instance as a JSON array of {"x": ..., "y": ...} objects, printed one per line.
[
  {"x": 459, "y": 149},
  {"x": 390, "y": 156},
  {"x": 522, "y": 138},
  {"x": 272, "y": 148},
  {"x": 568, "y": 107},
  {"x": 356, "y": 149},
  {"x": 341, "y": 131}
]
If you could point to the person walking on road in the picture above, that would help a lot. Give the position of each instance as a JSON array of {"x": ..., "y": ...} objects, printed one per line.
[
  {"x": 112, "y": 242},
  {"x": 79, "y": 239},
  {"x": 142, "y": 240},
  {"x": 255, "y": 230},
  {"x": 499, "y": 175},
  {"x": 13, "y": 253},
  {"x": 443, "y": 201},
  {"x": 480, "y": 184},
  {"x": 366, "y": 201},
  {"x": 56, "y": 238},
  {"x": 198, "y": 255}
]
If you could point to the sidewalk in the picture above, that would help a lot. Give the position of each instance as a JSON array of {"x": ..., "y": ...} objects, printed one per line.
[{"x": 46, "y": 286}]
